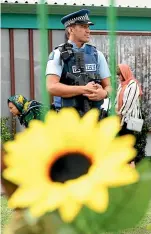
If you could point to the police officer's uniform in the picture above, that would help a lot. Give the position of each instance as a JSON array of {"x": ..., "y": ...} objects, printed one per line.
[{"x": 95, "y": 62}]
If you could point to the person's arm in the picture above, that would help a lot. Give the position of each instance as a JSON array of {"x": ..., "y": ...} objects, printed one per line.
[
  {"x": 53, "y": 74},
  {"x": 106, "y": 85},
  {"x": 104, "y": 73},
  {"x": 104, "y": 88},
  {"x": 131, "y": 95},
  {"x": 58, "y": 89}
]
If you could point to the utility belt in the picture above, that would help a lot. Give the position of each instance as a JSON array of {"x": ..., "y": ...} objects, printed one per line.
[{"x": 102, "y": 113}]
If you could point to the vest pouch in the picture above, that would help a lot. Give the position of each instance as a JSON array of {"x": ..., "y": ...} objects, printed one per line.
[{"x": 69, "y": 102}]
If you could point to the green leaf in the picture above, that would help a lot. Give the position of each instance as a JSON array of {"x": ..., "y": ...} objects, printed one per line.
[{"x": 127, "y": 207}]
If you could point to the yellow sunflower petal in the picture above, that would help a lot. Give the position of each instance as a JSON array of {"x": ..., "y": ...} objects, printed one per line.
[
  {"x": 69, "y": 209},
  {"x": 125, "y": 176},
  {"x": 52, "y": 199},
  {"x": 115, "y": 170},
  {"x": 69, "y": 116},
  {"x": 80, "y": 188},
  {"x": 121, "y": 142},
  {"x": 108, "y": 129},
  {"x": 51, "y": 120},
  {"x": 13, "y": 174},
  {"x": 98, "y": 200},
  {"x": 36, "y": 138},
  {"x": 121, "y": 150},
  {"x": 89, "y": 120},
  {"x": 68, "y": 131},
  {"x": 24, "y": 197},
  {"x": 116, "y": 149},
  {"x": 89, "y": 143}
]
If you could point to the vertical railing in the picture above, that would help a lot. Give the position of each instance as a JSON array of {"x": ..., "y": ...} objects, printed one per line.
[
  {"x": 31, "y": 64},
  {"x": 12, "y": 73},
  {"x": 43, "y": 25},
  {"x": 112, "y": 45}
]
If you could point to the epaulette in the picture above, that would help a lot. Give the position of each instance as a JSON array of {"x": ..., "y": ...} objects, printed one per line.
[{"x": 61, "y": 45}]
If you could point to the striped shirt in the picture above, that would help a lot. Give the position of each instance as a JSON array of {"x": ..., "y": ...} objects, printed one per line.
[{"x": 131, "y": 105}]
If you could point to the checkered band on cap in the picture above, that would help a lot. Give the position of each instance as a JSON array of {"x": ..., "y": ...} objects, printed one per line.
[{"x": 78, "y": 18}]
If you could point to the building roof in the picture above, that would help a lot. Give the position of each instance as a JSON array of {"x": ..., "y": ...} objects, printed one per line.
[
  {"x": 95, "y": 3},
  {"x": 126, "y": 8}
]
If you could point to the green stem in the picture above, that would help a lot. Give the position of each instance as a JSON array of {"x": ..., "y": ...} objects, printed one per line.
[
  {"x": 112, "y": 57},
  {"x": 43, "y": 23}
]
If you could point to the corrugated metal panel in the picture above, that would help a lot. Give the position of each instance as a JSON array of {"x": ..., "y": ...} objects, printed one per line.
[
  {"x": 5, "y": 71},
  {"x": 119, "y": 3}
]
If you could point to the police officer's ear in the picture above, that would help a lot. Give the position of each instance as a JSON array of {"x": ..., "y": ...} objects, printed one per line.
[{"x": 70, "y": 30}]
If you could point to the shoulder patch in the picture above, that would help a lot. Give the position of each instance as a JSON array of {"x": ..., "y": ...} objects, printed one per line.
[{"x": 51, "y": 56}]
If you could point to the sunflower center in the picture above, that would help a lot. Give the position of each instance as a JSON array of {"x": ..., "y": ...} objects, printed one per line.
[{"x": 69, "y": 166}]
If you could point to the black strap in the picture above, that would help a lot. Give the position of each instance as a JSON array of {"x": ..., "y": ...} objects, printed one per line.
[{"x": 66, "y": 51}]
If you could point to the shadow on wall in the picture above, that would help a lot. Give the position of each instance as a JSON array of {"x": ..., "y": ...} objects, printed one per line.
[{"x": 37, "y": 77}]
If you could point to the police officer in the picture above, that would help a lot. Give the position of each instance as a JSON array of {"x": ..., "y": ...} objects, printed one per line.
[{"x": 62, "y": 60}]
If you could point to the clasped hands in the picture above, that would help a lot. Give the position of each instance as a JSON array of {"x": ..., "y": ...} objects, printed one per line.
[{"x": 94, "y": 91}]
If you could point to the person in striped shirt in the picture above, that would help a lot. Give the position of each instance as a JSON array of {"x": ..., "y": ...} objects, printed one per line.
[
  {"x": 128, "y": 96},
  {"x": 128, "y": 99}
]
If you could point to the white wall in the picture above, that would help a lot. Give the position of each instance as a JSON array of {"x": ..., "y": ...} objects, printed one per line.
[{"x": 148, "y": 146}]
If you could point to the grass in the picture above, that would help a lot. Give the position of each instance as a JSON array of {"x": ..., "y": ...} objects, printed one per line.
[
  {"x": 5, "y": 212},
  {"x": 141, "y": 229}
]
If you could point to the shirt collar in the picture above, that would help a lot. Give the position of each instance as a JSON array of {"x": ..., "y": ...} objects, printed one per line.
[{"x": 75, "y": 46}]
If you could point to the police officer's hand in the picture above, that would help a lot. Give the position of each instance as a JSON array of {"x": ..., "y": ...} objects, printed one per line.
[
  {"x": 89, "y": 88},
  {"x": 90, "y": 85},
  {"x": 96, "y": 94}
]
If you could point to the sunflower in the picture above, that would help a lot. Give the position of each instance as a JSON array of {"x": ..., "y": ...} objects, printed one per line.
[{"x": 67, "y": 162}]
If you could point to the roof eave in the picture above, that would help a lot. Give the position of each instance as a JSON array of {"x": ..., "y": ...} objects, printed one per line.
[{"x": 17, "y": 8}]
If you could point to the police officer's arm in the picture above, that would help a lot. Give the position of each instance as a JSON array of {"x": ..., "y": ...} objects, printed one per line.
[
  {"x": 106, "y": 85},
  {"x": 53, "y": 74},
  {"x": 58, "y": 89},
  {"x": 104, "y": 88},
  {"x": 104, "y": 72}
]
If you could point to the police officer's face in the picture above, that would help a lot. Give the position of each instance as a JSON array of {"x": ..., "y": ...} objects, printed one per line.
[{"x": 81, "y": 32}]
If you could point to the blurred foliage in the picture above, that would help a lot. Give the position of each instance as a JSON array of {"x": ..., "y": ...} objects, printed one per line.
[
  {"x": 5, "y": 130},
  {"x": 141, "y": 140}
]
